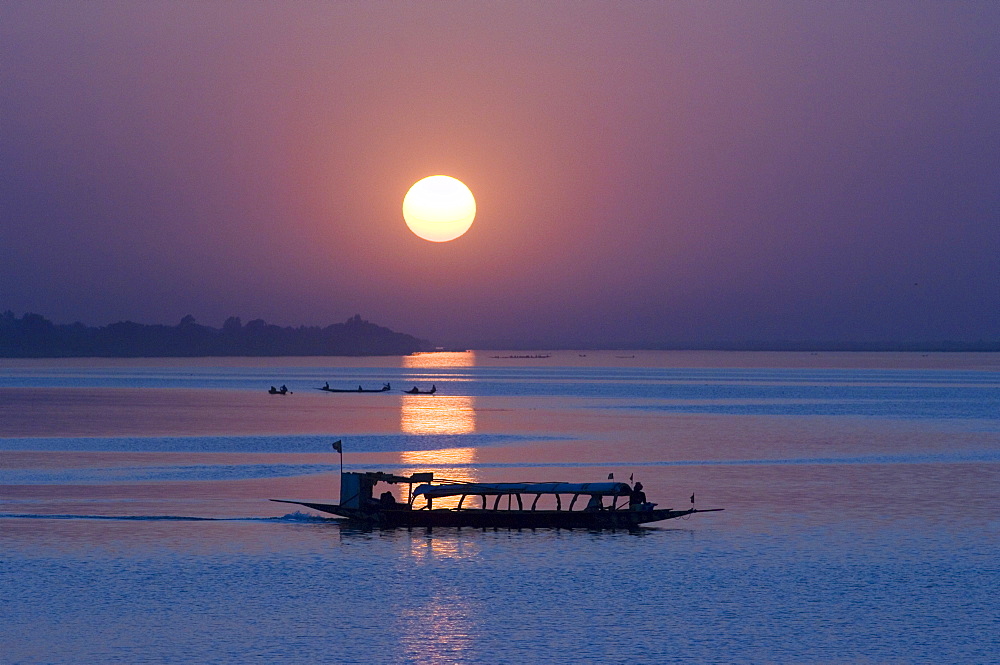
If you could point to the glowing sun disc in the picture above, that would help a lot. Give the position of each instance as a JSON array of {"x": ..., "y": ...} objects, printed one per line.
[{"x": 439, "y": 208}]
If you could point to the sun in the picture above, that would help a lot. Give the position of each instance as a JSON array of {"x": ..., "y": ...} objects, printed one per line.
[{"x": 439, "y": 208}]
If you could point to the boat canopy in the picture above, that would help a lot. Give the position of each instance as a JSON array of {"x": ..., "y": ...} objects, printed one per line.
[{"x": 493, "y": 489}]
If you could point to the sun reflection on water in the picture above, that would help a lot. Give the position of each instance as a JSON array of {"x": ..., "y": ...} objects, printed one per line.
[
  {"x": 440, "y": 360},
  {"x": 443, "y": 629},
  {"x": 446, "y": 545},
  {"x": 445, "y": 624},
  {"x": 448, "y": 464},
  {"x": 437, "y": 414}
]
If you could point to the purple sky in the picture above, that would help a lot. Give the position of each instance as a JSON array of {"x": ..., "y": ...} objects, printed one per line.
[{"x": 645, "y": 173}]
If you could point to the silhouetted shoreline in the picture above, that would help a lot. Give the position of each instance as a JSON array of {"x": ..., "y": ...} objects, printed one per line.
[
  {"x": 33, "y": 336},
  {"x": 979, "y": 346},
  {"x": 815, "y": 347}
]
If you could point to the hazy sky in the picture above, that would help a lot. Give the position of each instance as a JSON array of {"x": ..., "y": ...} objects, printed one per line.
[{"x": 645, "y": 173}]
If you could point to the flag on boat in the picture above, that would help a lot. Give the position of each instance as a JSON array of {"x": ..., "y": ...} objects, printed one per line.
[
  {"x": 611, "y": 476},
  {"x": 338, "y": 447},
  {"x": 692, "y": 499}
]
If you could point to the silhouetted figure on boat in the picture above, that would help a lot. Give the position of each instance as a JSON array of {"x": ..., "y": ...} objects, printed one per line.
[
  {"x": 595, "y": 503},
  {"x": 638, "y": 498}
]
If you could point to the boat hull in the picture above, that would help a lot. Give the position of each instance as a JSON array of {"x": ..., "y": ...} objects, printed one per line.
[{"x": 501, "y": 519}]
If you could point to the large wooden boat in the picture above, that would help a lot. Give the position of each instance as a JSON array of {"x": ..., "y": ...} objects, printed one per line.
[{"x": 500, "y": 505}]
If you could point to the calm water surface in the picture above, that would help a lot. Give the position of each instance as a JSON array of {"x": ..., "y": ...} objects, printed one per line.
[{"x": 861, "y": 521}]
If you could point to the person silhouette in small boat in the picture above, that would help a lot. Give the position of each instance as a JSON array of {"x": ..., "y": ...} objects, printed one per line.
[
  {"x": 283, "y": 389},
  {"x": 272, "y": 391}
]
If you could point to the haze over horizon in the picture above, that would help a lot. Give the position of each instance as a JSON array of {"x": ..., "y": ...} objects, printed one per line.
[{"x": 645, "y": 174}]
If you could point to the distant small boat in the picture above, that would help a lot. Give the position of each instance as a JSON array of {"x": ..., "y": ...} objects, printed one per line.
[
  {"x": 416, "y": 391},
  {"x": 520, "y": 357},
  {"x": 278, "y": 391},
  {"x": 359, "y": 389}
]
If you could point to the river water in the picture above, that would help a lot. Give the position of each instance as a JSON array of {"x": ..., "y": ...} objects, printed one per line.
[{"x": 861, "y": 523}]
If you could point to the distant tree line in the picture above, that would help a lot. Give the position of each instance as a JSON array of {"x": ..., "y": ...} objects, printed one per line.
[{"x": 34, "y": 336}]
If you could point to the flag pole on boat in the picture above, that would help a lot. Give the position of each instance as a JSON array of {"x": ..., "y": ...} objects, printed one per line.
[{"x": 338, "y": 446}]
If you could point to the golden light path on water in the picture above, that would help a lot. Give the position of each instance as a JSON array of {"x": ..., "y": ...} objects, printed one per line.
[
  {"x": 440, "y": 360},
  {"x": 442, "y": 627},
  {"x": 444, "y": 624},
  {"x": 439, "y": 414},
  {"x": 447, "y": 464}
]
